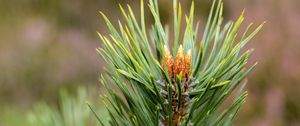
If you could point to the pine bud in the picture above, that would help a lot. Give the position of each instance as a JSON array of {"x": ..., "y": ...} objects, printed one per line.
[
  {"x": 187, "y": 63},
  {"x": 178, "y": 65},
  {"x": 168, "y": 60}
]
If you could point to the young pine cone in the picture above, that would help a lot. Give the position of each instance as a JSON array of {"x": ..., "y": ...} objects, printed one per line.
[{"x": 178, "y": 66}]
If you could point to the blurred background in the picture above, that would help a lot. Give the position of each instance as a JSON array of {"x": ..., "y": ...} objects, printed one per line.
[{"x": 46, "y": 45}]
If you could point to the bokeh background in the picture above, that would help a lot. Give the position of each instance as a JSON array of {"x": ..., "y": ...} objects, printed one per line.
[{"x": 46, "y": 45}]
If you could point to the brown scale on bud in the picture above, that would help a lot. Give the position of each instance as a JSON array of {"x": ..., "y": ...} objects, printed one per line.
[{"x": 181, "y": 64}]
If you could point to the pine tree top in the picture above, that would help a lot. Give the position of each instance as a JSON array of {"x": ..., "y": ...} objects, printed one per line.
[{"x": 148, "y": 87}]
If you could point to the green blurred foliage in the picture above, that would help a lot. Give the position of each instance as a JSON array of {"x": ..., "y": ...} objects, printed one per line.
[{"x": 71, "y": 111}]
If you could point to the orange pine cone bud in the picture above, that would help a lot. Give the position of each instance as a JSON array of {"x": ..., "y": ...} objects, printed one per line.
[
  {"x": 168, "y": 60},
  {"x": 187, "y": 63},
  {"x": 178, "y": 65}
]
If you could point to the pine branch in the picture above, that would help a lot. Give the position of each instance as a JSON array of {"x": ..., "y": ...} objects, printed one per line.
[{"x": 184, "y": 86}]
